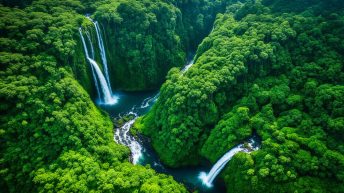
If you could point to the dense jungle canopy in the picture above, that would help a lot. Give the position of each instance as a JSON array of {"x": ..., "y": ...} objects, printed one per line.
[{"x": 271, "y": 68}]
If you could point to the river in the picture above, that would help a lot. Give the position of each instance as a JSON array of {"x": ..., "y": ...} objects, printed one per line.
[
  {"x": 139, "y": 103},
  {"x": 134, "y": 104}
]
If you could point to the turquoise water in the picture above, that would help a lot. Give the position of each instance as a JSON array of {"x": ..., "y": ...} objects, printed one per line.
[
  {"x": 127, "y": 102},
  {"x": 137, "y": 102}
]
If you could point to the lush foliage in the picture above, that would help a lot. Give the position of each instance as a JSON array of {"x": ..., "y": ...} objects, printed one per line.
[
  {"x": 265, "y": 71},
  {"x": 197, "y": 19},
  {"x": 53, "y": 138},
  {"x": 145, "y": 39},
  {"x": 269, "y": 67},
  {"x": 142, "y": 43}
]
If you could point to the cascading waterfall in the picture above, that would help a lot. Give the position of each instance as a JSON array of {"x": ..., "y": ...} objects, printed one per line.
[
  {"x": 102, "y": 49},
  {"x": 107, "y": 96},
  {"x": 208, "y": 179},
  {"x": 122, "y": 136},
  {"x": 91, "y": 45},
  {"x": 92, "y": 56},
  {"x": 97, "y": 73},
  {"x": 87, "y": 56}
]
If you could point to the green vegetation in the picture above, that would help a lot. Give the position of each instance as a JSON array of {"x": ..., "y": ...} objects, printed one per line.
[
  {"x": 142, "y": 43},
  {"x": 147, "y": 38},
  {"x": 270, "y": 67},
  {"x": 266, "y": 71},
  {"x": 143, "y": 39},
  {"x": 53, "y": 138}
]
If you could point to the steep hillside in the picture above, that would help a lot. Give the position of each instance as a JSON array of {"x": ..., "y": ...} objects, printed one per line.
[
  {"x": 53, "y": 138},
  {"x": 262, "y": 71}
]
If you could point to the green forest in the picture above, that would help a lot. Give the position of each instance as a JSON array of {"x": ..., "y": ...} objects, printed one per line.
[{"x": 269, "y": 68}]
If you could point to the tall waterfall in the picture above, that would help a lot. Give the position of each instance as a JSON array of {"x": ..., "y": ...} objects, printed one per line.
[
  {"x": 208, "y": 179},
  {"x": 92, "y": 56},
  {"x": 105, "y": 88},
  {"x": 102, "y": 49},
  {"x": 107, "y": 96},
  {"x": 91, "y": 45}
]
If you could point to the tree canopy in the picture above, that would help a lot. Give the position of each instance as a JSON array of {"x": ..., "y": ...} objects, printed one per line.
[
  {"x": 53, "y": 138},
  {"x": 272, "y": 68},
  {"x": 264, "y": 71}
]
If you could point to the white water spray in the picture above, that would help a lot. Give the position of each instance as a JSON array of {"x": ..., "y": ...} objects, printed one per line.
[
  {"x": 122, "y": 136},
  {"x": 92, "y": 56},
  {"x": 208, "y": 179}
]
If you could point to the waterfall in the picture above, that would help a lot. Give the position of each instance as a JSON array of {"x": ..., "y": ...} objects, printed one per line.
[
  {"x": 102, "y": 49},
  {"x": 91, "y": 45},
  {"x": 122, "y": 136},
  {"x": 83, "y": 43},
  {"x": 92, "y": 56},
  {"x": 107, "y": 96},
  {"x": 208, "y": 179},
  {"x": 87, "y": 56},
  {"x": 98, "y": 75}
]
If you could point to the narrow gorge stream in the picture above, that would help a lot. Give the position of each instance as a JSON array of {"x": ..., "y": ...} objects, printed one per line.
[
  {"x": 131, "y": 105},
  {"x": 134, "y": 104}
]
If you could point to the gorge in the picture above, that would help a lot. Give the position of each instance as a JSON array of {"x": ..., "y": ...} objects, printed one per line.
[{"x": 171, "y": 96}]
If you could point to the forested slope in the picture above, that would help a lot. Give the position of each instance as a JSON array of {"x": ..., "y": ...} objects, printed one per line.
[
  {"x": 53, "y": 138},
  {"x": 144, "y": 39},
  {"x": 267, "y": 71},
  {"x": 270, "y": 67}
]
